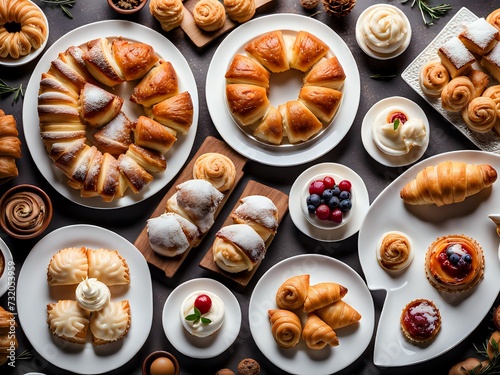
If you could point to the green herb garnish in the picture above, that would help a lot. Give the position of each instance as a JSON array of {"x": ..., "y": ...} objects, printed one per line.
[
  {"x": 196, "y": 317},
  {"x": 432, "y": 12},
  {"x": 63, "y": 4},
  {"x": 6, "y": 89},
  {"x": 396, "y": 124}
]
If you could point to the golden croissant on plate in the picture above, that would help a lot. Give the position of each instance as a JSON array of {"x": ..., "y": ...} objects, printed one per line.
[
  {"x": 317, "y": 334},
  {"x": 292, "y": 293},
  {"x": 338, "y": 315},
  {"x": 323, "y": 294},
  {"x": 286, "y": 327},
  {"x": 448, "y": 182}
]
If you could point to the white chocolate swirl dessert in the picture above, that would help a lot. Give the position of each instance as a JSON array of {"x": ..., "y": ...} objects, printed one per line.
[
  {"x": 92, "y": 295},
  {"x": 215, "y": 315},
  {"x": 383, "y": 29},
  {"x": 394, "y": 251}
]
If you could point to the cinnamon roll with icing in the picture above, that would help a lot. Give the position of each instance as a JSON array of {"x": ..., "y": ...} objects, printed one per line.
[
  {"x": 433, "y": 78},
  {"x": 394, "y": 251},
  {"x": 209, "y": 15},
  {"x": 217, "y": 169},
  {"x": 240, "y": 10},
  {"x": 457, "y": 94},
  {"x": 480, "y": 114}
]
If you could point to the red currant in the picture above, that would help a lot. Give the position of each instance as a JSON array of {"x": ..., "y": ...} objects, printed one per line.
[
  {"x": 316, "y": 187},
  {"x": 323, "y": 212},
  {"x": 329, "y": 182},
  {"x": 203, "y": 303},
  {"x": 336, "y": 215},
  {"x": 345, "y": 185}
]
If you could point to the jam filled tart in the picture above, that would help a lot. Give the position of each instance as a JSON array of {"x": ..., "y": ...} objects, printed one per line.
[
  {"x": 420, "y": 321},
  {"x": 454, "y": 263}
]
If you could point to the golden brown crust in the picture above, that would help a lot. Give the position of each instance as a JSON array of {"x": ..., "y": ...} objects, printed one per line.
[
  {"x": 457, "y": 94},
  {"x": 270, "y": 127},
  {"x": 306, "y": 51},
  {"x": 270, "y": 50},
  {"x": 426, "y": 311},
  {"x": 175, "y": 112},
  {"x": 317, "y": 334},
  {"x": 480, "y": 115},
  {"x": 299, "y": 122},
  {"x": 322, "y": 101},
  {"x": 246, "y": 70},
  {"x": 286, "y": 327},
  {"x": 151, "y": 160},
  {"x": 209, "y": 15},
  {"x": 217, "y": 169},
  {"x": 98, "y": 106},
  {"x": 247, "y": 103},
  {"x": 292, "y": 293},
  {"x": 326, "y": 73},
  {"x": 134, "y": 59},
  {"x": 433, "y": 77},
  {"x": 115, "y": 137},
  {"x": 159, "y": 84},
  {"x": 153, "y": 135},
  {"x": 100, "y": 62}
]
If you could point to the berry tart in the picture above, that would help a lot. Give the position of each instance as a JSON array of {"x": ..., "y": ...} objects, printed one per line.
[
  {"x": 454, "y": 263},
  {"x": 420, "y": 321},
  {"x": 328, "y": 201}
]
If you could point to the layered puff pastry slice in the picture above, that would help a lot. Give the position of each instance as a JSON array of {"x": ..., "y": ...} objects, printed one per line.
[
  {"x": 270, "y": 50},
  {"x": 111, "y": 323},
  {"x": 108, "y": 266},
  {"x": 68, "y": 321},
  {"x": 68, "y": 266},
  {"x": 101, "y": 64},
  {"x": 137, "y": 177},
  {"x": 116, "y": 136},
  {"x": 150, "y": 134},
  {"x": 175, "y": 112},
  {"x": 98, "y": 106},
  {"x": 151, "y": 160}
]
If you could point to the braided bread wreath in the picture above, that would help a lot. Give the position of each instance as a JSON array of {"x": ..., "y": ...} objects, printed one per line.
[{"x": 86, "y": 133}]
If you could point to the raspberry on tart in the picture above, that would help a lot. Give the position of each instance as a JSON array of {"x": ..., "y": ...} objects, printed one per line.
[{"x": 420, "y": 321}]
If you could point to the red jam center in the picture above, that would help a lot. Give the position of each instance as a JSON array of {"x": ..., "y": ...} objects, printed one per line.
[
  {"x": 396, "y": 115},
  {"x": 456, "y": 269},
  {"x": 420, "y": 319}
]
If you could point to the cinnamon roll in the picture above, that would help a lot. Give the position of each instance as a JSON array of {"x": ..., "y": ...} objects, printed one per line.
[
  {"x": 433, "y": 78},
  {"x": 169, "y": 13},
  {"x": 480, "y": 114},
  {"x": 209, "y": 15},
  {"x": 240, "y": 10},
  {"x": 394, "y": 251},
  {"x": 493, "y": 92},
  {"x": 217, "y": 169},
  {"x": 292, "y": 293},
  {"x": 494, "y": 19},
  {"x": 286, "y": 327},
  {"x": 457, "y": 94}
]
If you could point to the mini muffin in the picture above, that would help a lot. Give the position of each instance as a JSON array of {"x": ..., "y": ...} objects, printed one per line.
[{"x": 420, "y": 321}]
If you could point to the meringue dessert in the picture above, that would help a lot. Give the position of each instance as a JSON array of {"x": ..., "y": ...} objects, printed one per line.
[
  {"x": 202, "y": 313},
  {"x": 92, "y": 295}
]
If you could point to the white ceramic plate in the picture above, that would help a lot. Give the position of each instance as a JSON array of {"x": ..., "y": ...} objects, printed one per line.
[
  {"x": 357, "y": 213},
  {"x": 34, "y": 53},
  {"x": 207, "y": 347},
  {"x": 413, "y": 111},
  {"x": 485, "y": 141},
  {"x": 423, "y": 224},
  {"x": 8, "y": 263},
  {"x": 33, "y": 295},
  {"x": 268, "y": 154},
  {"x": 176, "y": 157},
  {"x": 301, "y": 360}
]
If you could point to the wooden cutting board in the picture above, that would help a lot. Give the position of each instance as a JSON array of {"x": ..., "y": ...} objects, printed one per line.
[
  {"x": 201, "y": 38},
  {"x": 171, "y": 265},
  {"x": 280, "y": 199}
]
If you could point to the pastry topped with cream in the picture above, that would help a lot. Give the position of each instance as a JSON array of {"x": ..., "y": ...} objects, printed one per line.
[
  {"x": 202, "y": 313},
  {"x": 92, "y": 295},
  {"x": 68, "y": 321}
]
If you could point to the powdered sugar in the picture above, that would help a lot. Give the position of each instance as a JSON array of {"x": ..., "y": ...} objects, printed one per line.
[
  {"x": 260, "y": 209},
  {"x": 245, "y": 238},
  {"x": 456, "y": 52},
  {"x": 170, "y": 234},
  {"x": 480, "y": 32}
]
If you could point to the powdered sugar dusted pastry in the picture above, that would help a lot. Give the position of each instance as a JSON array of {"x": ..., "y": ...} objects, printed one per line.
[
  {"x": 69, "y": 266},
  {"x": 68, "y": 321},
  {"x": 240, "y": 10},
  {"x": 215, "y": 168},
  {"x": 108, "y": 266},
  {"x": 98, "y": 106},
  {"x": 455, "y": 57},
  {"x": 479, "y": 36},
  {"x": 491, "y": 61},
  {"x": 111, "y": 323},
  {"x": 209, "y": 15},
  {"x": 196, "y": 201},
  {"x": 260, "y": 213},
  {"x": 433, "y": 78},
  {"x": 394, "y": 251},
  {"x": 238, "y": 248},
  {"x": 420, "y": 321},
  {"x": 169, "y": 13},
  {"x": 170, "y": 234},
  {"x": 480, "y": 114}
]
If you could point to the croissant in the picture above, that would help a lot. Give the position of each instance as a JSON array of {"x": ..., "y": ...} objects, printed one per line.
[
  {"x": 317, "y": 334},
  {"x": 286, "y": 327},
  {"x": 448, "y": 182},
  {"x": 322, "y": 294},
  {"x": 338, "y": 315},
  {"x": 292, "y": 293}
]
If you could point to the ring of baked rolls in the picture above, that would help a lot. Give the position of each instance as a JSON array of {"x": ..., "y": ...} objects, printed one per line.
[
  {"x": 86, "y": 133},
  {"x": 296, "y": 121}
]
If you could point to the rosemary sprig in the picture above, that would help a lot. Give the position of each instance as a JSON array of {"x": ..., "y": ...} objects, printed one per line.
[
  {"x": 492, "y": 366},
  {"x": 63, "y": 4},
  {"x": 433, "y": 12},
  {"x": 6, "y": 89},
  {"x": 26, "y": 354}
]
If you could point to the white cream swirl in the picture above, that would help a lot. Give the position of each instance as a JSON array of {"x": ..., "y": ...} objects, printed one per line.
[
  {"x": 384, "y": 29},
  {"x": 92, "y": 295},
  {"x": 215, "y": 314}
]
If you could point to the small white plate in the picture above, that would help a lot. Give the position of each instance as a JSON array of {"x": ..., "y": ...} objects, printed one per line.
[
  {"x": 301, "y": 360},
  {"x": 197, "y": 347},
  {"x": 22, "y": 60},
  {"x": 379, "y": 55},
  {"x": 413, "y": 111},
  {"x": 8, "y": 263},
  {"x": 357, "y": 213}
]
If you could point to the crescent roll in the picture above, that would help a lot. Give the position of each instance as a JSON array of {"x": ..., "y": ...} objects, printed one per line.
[
  {"x": 317, "y": 334},
  {"x": 286, "y": 327}
]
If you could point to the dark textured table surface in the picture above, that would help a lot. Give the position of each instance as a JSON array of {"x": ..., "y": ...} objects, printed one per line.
[{"x": 129, "y": 222}]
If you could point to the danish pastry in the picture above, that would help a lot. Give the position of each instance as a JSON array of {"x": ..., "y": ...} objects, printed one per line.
[
  {"x": 101, "y": 64},
  {"x": 217, "y": 169},
  {"x": 292, "y": 293},
  {"x": 317, "y": 334},
  {"x": 98, "y": 106},
  {"x": 175, "y": 112},
  {"x": 323, "y": 102},
  {"x": 260, "y": 213},
  {"x": 68, "y": 266},
  {"x": 454, "y": 263},
  {"x": 240, "y": 10},
  {"x": 286, "y": 327},
  {"x": 209, "y": 15},
  {"x": 134, "y": 59},
  {"x": 111, "y": 323},
  {"x": 493, "y": 92},
  {"x": 152, "y": 135},
  {"x": 420, "y": 321},
  {"x": 108, "y": 266}
]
